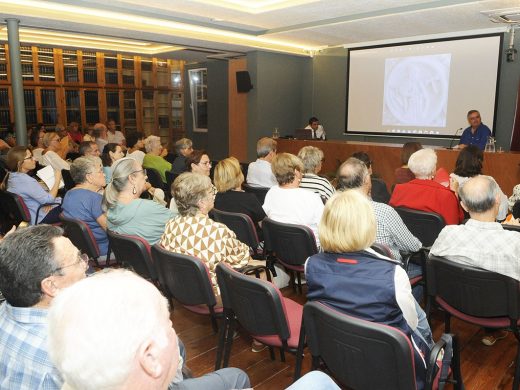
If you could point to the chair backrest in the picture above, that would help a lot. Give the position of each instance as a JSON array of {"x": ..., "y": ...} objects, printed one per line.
[
  {"x": 79, "y": 233},
  {"x": 259, "y": 192},
  {"x": 382, "y": 249},
  {"x": 154, "y": 177},
  {"x": 185, "y": 278},
  {"x": 14, "y": 208},
  {"x": 134, "y": 251},
  {"x": 360, "y": 354},
  {"x": 170, "y": 177},
  {"x": 258, "y": 305},
  {"x": 473, "y": 291},
  {"x": 241, "y": 224},
  {"x": 514, "y": 228},
  {"x": 424, "y": 225},
  {"x": 292, "y": 244},
  {"x": 67, "y": 179}
]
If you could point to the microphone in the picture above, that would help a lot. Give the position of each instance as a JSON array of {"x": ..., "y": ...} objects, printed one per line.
[{"x": 453, "y": 138}]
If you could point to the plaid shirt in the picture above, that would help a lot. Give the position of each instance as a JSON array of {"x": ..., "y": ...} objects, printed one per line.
[
  {"x": 392, "y": 232},
  {"x": 484, "y": 245},
  {"x": 24, "y": 361}
]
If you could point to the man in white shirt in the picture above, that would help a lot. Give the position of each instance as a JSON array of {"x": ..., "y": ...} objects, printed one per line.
[
  {"x": 317, "y": 130},
  {"x": 114, "y": 135},
  {"x": 259, "y": 173}
]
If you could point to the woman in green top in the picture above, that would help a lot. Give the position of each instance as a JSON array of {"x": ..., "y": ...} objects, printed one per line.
[
  {"x": 153, "y": 158},
  {"x": 126, "y": 212}
]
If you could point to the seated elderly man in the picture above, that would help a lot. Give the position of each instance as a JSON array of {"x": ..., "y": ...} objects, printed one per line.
[
  {"x": 138, "y": 347},
  {"x": 259, "y": 173},
  {"x": 36, "y": 264},
  {"x": 481, "y": 242},
  {"x": 422, "y": 193},
  {"x": 89, "y": 148},
  {"x": 312, "y": 158},
  {"x": 183, "y": 148}
]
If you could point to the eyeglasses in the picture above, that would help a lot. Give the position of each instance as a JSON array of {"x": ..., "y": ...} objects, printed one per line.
[
  {"x": 140, "y": 170},
  {"x": 29, "y": 158},
  {"x": 82, "y": 259},
  {"x": 214, "y": 190},
  {"x": 206, "y": 163}
]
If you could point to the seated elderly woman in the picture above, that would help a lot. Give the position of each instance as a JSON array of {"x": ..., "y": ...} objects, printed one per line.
[
  {"x": 367, "y": 285},
  {"x": 228, "y": 178},
  {"x": 111, "y": 153},
  {"x": 312, "y": 158},
  {"x": 423, "y": 193},
  {"x": 126, "y": 212},
  {"x": 19, "y": 162},
  {"x": 469, "y": 164},
  {"x": 288, "y": 203},
  {"x": 50, "y": 156},
  {"x": 194, "y": 233},
  {"x": 83, "y": 202},
  {"x": 153, "y": 158},
  {"x": 198, "y": 162}
]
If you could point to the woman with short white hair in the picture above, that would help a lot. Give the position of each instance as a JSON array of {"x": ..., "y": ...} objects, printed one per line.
[
  {"x": 312, "y": 158},
  {"x": 154, "y": 156},
  {"x": 425, "y": 194}
]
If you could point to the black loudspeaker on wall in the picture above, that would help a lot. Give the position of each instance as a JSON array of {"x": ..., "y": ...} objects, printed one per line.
[{"x": 243, "y": 81}]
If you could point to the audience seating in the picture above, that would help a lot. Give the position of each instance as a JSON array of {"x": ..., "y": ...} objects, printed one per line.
[
  {"x": 14, "y": 209},
  {"x": 259, "y": 192},
  {"x": 514, "y": 228},
  {"x": 365, "y": 355},
  {"x": 291, "y": 245},
  {"x": 154, "y": 178},
  {"x": 134, "y": 252},
  {"x": 260, "y": 309},
  {"x": 187, "y": 279},
  {"x": 81, "y": 236},
  {"x": 476, "y": 296},
  {"x": 382, "y": 250},
  {"x": 67, "y": 179},
  {"x": 170, "y": 178},
  {"x": 243, "y": 227}
]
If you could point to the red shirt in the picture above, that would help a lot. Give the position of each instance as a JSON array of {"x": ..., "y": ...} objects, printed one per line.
[{"x": 427, "y": 195}]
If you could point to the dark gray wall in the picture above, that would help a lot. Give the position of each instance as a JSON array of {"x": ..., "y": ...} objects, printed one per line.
[
  {"x": 216, "y": 140},
  {"x": 281, "y": 96},
  {"x": 329, "y": 98}
]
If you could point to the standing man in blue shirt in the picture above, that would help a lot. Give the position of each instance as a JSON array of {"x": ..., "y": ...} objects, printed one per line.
[{"x": 476, "y": 134}]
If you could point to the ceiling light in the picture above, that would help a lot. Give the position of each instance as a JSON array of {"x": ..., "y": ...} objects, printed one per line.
[{"x": 255, "y": 6}]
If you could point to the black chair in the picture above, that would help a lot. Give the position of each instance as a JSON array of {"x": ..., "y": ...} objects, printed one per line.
[
  {"x": 365, "y": 355},
  {"x": 170, "y": 178},
  {"x": 154, "y": 178},
  {"x": 514, "y": 228},
  {"x": 15, "y": 210},
  {"x": 477, "y": 296},
  {"x": 260, "y": 309},
  {"x": 79, "y": 233},
  {"x": 187, "y": 279},
  {"x": 259, "y": 192},
  {"x": 67, "y": 179},
  {"x": 243, "y": 227},
  {"x": 134, "y": 252},
  {"x": 291, "y": 245}
]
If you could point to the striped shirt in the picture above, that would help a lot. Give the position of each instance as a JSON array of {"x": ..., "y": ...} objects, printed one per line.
[
  {"x": 24, "y": 361},
  {"x": 318, "y": 184}
]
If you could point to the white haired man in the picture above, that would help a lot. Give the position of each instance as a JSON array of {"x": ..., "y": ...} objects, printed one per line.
[
  {"x": 137, "y": 347},
  {"x": 481, "y": 242},
  {"x": 259, "y": 173},
  {"x": 36, "y": 264}
]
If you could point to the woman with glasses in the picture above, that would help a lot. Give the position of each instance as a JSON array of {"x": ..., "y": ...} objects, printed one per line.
[
  {"x": 198, "y": 162},
  {"x": 50, "y": 156},
  {"x": 83, "y": 202},
  {"x": 19, "y": 162},
  {"x": 194, "y": 233},
  {"x": 126, "y": 212}
]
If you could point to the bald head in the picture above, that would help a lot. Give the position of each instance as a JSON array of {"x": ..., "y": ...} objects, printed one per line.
[
  {"x": 353, "y": 174},
  {"x": 480, "y": 195}
]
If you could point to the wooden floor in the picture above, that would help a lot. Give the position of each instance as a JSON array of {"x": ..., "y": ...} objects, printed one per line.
[{"x": 483, "y": 368}]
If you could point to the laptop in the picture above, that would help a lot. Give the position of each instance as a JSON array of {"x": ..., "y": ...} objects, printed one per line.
[{"x": 303, "y": 134}]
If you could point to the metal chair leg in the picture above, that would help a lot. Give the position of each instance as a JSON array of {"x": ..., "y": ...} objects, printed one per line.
[
  {"x": 221, "y": 342},
  {"x": 229, "y": 341}
]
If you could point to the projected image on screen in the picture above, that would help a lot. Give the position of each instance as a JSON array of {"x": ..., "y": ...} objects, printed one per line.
[{"x": 416, "y": 90}]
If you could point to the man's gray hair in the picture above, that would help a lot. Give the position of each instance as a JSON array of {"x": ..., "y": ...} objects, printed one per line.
[
  {"x": 479, "y": 194},
  {"x": 183, "y": 143},
  {"x": 127, "y": 309},
  {"x": 82, "y": 166},
  {"x": 423, "y": 163},
  {"x": 352, "y": 174},
  {"x": 311, "y": 157},
  {"x": 264, "y": 146}
]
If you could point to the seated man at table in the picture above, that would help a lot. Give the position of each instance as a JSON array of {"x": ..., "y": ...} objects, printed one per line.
[
  {"x": 425, "y": 194},
  {"x": 481, "y": 242},
  {"x": 138, "y": 347},
  {"x": 36, "y": 264},
  {"x": 477, "y": 133},
  {"x": 259, "y": 173},
  {"x": 317, "y": 130}
]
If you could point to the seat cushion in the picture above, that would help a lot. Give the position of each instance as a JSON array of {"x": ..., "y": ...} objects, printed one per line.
[
  {"x": 488, "y": 322},
  {"x": 203, "y": 309}
]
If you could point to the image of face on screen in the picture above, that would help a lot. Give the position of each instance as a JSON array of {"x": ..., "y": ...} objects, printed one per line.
[{"x": 416, "y": 90}]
